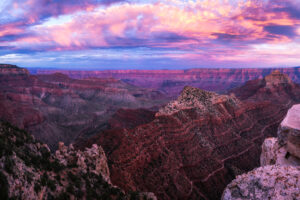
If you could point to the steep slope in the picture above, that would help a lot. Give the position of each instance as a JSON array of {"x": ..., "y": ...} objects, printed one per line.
[
  {"x": 193, "y": 148},
  {"x": 172, "y": 82},
  {"x": 198, "y": 143},
  {"x": 29, "y": 171},
  {"x": 57, "y": 108}
]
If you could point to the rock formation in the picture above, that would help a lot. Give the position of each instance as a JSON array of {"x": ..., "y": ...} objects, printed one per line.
[
  {"x": 278, "y": 178},
  {"x": 196, "y": 144},
  {"x": 275, "y": 87},
  {"x": 192, "y": 98},
  {"x": 29, "y": 171},
  {"x": 269, "y": 182}
]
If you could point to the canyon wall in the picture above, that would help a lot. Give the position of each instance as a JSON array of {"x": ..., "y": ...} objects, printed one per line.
[
  {"x": 198, "y": 143},
  {"x": 171, "y": 82},
  {"x": 57, "y": 108}
]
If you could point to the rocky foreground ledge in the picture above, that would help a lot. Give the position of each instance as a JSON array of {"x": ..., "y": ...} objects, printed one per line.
[
  {"x": 29, "y": 171},
  {"x": 279, "y": 176}
]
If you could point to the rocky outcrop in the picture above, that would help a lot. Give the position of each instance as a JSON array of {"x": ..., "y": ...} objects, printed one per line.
[
  {"x": 278, "y": 178},
  {"x": 269, "y": 182},
  {"x": 194, "y": 98},
  {"x": 57, "y": 108},
  {"x": 289, "y": 132},
  {"x": 29, "y": 171}
]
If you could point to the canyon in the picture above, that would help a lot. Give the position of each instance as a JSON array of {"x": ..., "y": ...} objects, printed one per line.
[
  {"x": 186, "y": 146},
  {"x": 198, "y": 143},
  {"x": 171, "y": 82},
  {"x": 57, "y": 108}
]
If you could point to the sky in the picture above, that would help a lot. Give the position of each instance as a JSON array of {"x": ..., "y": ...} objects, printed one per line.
[{"x": 153, "y": 34}]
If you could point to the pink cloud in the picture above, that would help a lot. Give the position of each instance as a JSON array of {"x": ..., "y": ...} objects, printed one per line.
[{"x": 217, "y": 30}]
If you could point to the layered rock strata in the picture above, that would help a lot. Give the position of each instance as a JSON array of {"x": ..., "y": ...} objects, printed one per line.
[
  {"x": 57, "y": 108},
  {"x": 198, "y": 143},
  {"x": 192, "y": 148},
  {"x": 278, "y": 178},
  {"x": 172, "y": 82}
]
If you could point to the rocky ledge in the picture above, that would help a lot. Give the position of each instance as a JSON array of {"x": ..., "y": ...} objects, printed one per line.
[
  {"x": 269, "y": 182},
  {"x": 278, "y": 178}
]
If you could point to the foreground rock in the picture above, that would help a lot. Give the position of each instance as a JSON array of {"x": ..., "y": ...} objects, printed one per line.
[
  {"x": 29, "y": 171},
  {"x": 270, "y": 182},
  {"x": 279, "y": 176}
]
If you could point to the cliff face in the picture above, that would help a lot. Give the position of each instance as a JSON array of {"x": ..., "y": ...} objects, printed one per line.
[
  {"x": 278, "y": 178},
  {"x": 57, "y": 108},
  {"x": 171, "y": 82},
  {"x": 12, "y": 70},
  {"x": 196, "y": 144},
  {"x": 275, "y": 87},
  {"x": 29, "y": 171}
]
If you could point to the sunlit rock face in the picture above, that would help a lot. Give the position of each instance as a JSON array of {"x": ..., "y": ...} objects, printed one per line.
[
  {"x": 57, "y": 108},
  {"x": 284, "y": 150},
  {"x": 289, "y": 132},
  {"x": 278, "y": 178}
]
